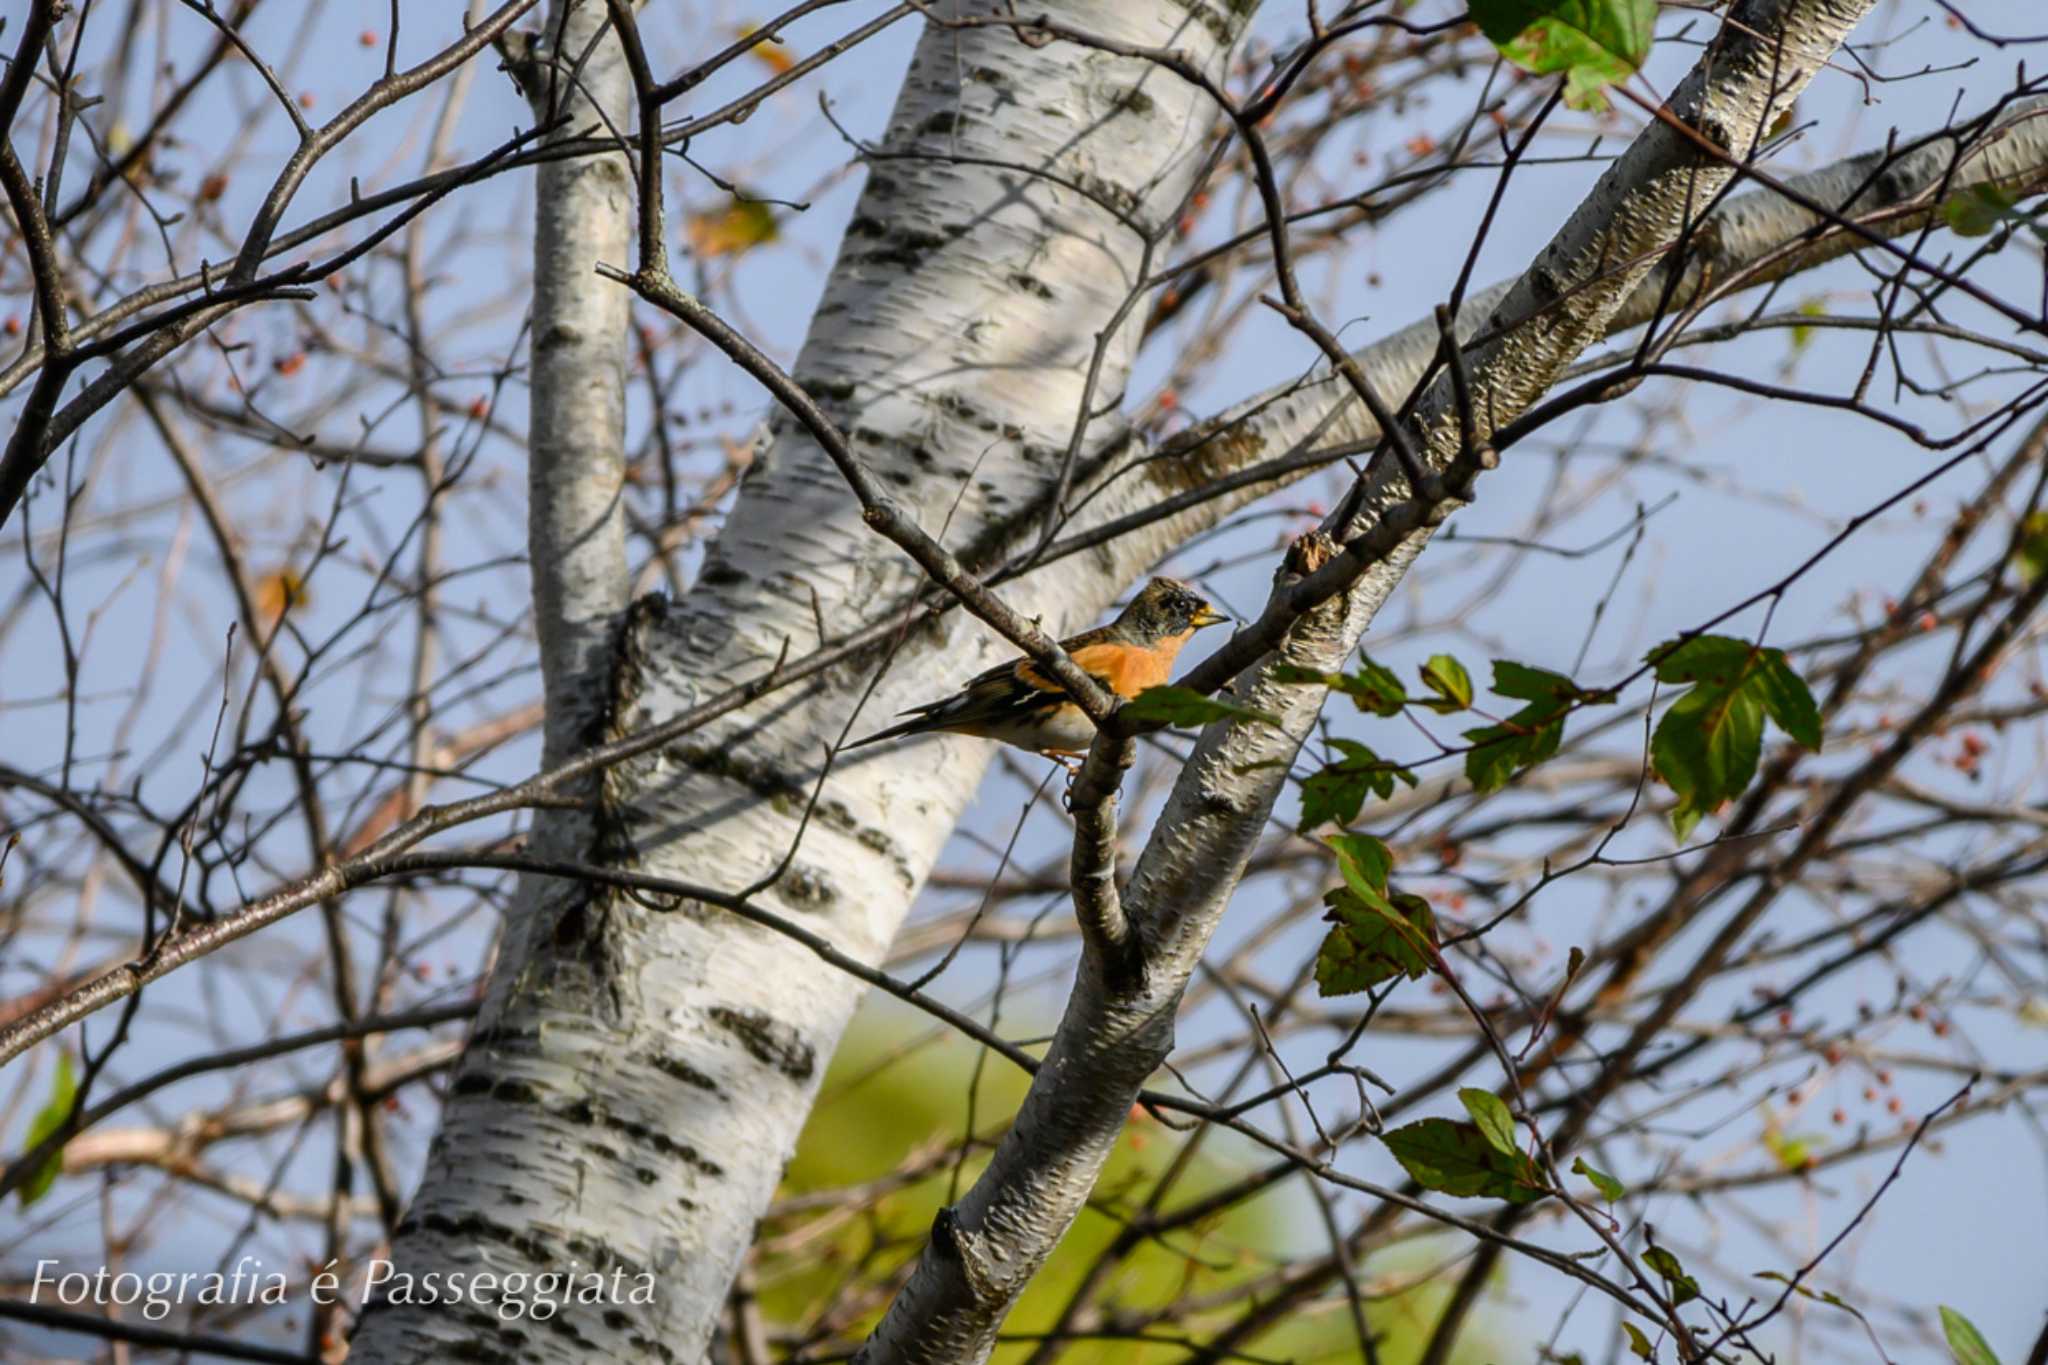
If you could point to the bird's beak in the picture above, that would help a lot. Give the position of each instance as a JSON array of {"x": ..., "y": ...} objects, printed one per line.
[{"x": 1209, "y": 616}]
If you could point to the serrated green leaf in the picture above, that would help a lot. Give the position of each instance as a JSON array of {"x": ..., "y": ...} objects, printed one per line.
[
  {"x": 1491, "y": 1115},
  {"x": 1446, "y": 677},
  {"x": 1789, "y": 702},
  {"x": 1531, "y": 734},
  {"x": 1593, "y": 42},
  {"x": 1364, "y": 861},
  {"x": 1965, "y": 1342},
  {"x": 1525, "y": 683},
  {"x": 1457, "y": 1159},
  {"x": 1186, "y": 708},
  {"x": 1376, "y": 938},
  {"x": 1684, "y": 1288},
  {"x": 1637, "y": 1342},
  {"x": 1337, "y": 793},
  {"x": 1707, "y": 744},
  {"x": 1375, "y": 688},
  {"x": 1610, "y": 1189},
  {"x": 48, "y": 1119}
]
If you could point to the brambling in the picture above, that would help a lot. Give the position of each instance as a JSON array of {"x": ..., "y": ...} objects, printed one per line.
[{"x": 1017, "y": 704}]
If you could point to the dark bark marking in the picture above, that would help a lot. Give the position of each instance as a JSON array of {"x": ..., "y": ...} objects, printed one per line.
[{"x": 772, "y": 1042}]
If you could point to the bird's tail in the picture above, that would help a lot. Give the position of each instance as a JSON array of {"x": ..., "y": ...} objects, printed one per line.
[{"x": 908, "y": 727}]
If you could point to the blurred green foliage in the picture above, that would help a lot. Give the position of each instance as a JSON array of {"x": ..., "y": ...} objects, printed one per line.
[{"x": 897, "y": 1097}]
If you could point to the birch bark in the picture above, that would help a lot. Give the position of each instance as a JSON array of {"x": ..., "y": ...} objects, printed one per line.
[
  {"x": 1154, "y": 500},
  {"x": 640, "y": 1075}
]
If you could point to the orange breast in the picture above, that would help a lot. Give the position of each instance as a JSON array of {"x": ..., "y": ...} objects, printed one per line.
[{"x": 1129, "y": 670}]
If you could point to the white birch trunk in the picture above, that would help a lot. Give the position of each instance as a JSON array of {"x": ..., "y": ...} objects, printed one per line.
[{"x": 640, "y": 1078}]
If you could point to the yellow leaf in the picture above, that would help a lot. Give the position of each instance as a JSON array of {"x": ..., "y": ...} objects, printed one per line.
[
  {"x": 770, "y": 52},
  {"x": 740, "y": 226},
  {"x": 277, "y": 592}
]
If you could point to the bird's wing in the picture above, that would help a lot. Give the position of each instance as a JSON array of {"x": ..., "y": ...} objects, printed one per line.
[{"x": 1016, "y": 687}]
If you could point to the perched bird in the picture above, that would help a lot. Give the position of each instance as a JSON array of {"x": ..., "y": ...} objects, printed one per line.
[{"x": 1018, "y": 704}]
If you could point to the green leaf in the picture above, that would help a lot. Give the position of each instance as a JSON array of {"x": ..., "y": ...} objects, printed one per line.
[
  {"x": 1446, "y": 677},
  {"x": 1364, "y": 861},
  {"x": 1802, "y": 335},
  {"x": 1376, "y": 938},
  {"x": 1637, "y": 1342},
  {"x": 1531, "y": 734},
  {"x": 1524, "y": 683},
  {"x": 1593, "y": 42},
  {"x": 48, "y": 1119},
  {"x": 1706, "y": 747},
  {"x": 1708, "y": 742},
  {"x": 1338, "y": 792},
  {"x": 1610, "y": 1189},
  {"x": 2033, "y": 547},
  {"x": 1684, "y": 1288},
  {"x": 1793, "y": 1153},
  {"x": 1965, "y": 1342},
  {"x": 1976, "y": 209},
  {"x": 1457, "y": 1159},
  {"x": 1186, "y": 708},
  {"x": 1375, "y": 688},
  {"x": 1490, "y": 1112}
]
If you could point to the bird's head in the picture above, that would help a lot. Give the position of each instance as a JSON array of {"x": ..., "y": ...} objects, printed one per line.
[{"x": 1168, "y": 607}]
